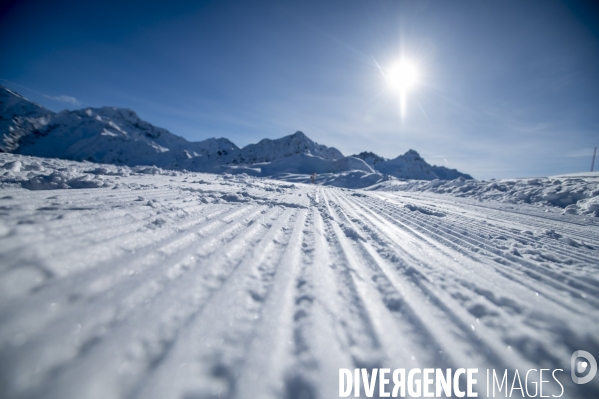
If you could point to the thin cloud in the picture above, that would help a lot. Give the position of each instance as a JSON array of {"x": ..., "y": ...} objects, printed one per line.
[
  {"x": 581, "y": 152},
  {"x": 65, "y": 100}
]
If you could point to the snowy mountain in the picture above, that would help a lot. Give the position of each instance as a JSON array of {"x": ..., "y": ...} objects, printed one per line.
[
  {"x": 409, "y": 166},
  {"x": 370, "y": 157},
  {"x": 19, "y": 118},
  {"x": 307, "y": 164},
  {"x": 268, "y": 150},
  {"x": 106, "y": 135},
  {"x": 118, "y": 136}
]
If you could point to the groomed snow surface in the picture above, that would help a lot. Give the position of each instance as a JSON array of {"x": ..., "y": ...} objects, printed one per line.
[{"x": 120, "y": 282}]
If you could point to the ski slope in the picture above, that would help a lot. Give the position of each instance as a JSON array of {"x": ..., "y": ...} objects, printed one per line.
[{"x": 149, "y": 284}]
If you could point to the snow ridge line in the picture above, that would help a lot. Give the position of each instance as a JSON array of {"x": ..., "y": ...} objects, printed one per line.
[
  {"x": 501, "y": 268},
  {"x": 418, "y": 305},
  {"x": 105, "y": 326},
  {"x": 561, "y": 246},
  {"x": 272, "y": 340},
  {"x": 66, "y": 235},
  {"x": 509, "y": 212},
  {"x": 104, "y": 278},
  {"x": 212, "y": 368},
  {"x": 487, "y": 293},
  {"x": 465, "y": 244}
]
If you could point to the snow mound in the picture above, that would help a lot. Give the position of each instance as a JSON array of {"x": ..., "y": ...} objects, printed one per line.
[
  {"x": 35, "y": 173},
  {"x": 61, "y": 180},
  {"x": 576, "y": 195},
  {"x": 424, "y": 210}
]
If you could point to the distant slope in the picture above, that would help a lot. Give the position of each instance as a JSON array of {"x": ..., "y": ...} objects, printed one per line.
[
  {"x": 370, "y": 158},
  {"x": 308, "y": 164},
  {"x": 20, "y": 119},
  {"x": 268, "y": 150},
  {"x": 410, "y": 166},
  {"x": 118, "y": 136},
  {"x": 105, "y": 135}
]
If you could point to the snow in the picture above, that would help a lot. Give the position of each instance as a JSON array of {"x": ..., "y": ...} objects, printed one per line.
[
  {"x": 142, "y": 282},
  {"x": 589, "y": 175},
  {"x": 410, "y": 166},
  {"x": 307, "y": 164},
  {"x": 575, "y": 193},
  {"x": 104, "y": 135},
  {"x": 18, "y": 118},
  {"x": 271, "y": 150},
  {"x": 118, "y": 136}
]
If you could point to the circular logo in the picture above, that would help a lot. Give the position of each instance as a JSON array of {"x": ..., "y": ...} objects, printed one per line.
[{"x": 578, "y": 366}]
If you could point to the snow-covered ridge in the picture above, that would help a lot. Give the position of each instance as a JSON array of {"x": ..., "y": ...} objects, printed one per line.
[
  {"x": 370, "y": 157},
  {"x": 268, "y": 150},
  {"x": 118, "y": 136},
  {"x": 576, "y": 194},
  {"x": 409, "y": 166},
  {"x": 104, "y": 135},
  {"x": 20, "y": 119}
]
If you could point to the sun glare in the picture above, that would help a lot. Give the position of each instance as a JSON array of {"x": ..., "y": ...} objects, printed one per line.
[{"x": 402, "y": 76}]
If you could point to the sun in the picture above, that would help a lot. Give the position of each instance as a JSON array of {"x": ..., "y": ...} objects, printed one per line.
[{"x": 402, "y": 76}]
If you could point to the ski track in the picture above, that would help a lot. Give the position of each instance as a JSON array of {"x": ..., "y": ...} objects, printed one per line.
[{"x": 222, "y": 287}]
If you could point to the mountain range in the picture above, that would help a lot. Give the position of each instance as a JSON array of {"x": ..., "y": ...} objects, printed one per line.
[{"x": 118, "y": 136}]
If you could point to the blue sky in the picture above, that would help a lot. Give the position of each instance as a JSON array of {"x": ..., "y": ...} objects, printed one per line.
[{"x": 506, "y": 88}]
